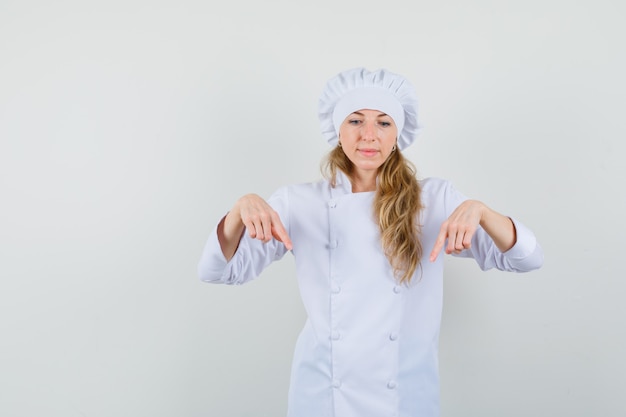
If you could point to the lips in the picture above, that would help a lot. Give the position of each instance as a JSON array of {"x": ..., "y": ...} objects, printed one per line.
[{"x": 368, "y": 152}]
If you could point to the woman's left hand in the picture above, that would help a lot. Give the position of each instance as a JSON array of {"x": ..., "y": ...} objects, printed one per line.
[{"x": 459, "y": 228}]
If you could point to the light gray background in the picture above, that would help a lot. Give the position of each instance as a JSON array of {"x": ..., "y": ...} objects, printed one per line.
[{"x": 128, "y": 128}]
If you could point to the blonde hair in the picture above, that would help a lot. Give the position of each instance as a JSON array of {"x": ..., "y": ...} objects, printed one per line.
[{"x": 397, "y": 205}]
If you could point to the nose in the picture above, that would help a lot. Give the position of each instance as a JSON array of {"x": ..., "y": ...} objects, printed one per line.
[{"x": 369, "y": 131}]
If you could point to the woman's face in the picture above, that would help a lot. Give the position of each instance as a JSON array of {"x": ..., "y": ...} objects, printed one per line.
[{"x": 367, "y": 138}]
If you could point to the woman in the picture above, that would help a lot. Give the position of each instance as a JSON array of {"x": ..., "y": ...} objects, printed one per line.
[{"x": 373, "y": 299}]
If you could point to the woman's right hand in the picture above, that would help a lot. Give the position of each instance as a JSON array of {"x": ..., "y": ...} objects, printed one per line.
[
  {"x": 254, "y": 214},
  {"x": 261, "y": 220}
]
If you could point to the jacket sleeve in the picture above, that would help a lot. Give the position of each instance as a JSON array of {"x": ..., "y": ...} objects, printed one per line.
[
  {"x": 525, "y": 255},
  {"x": 252, "y": 255}
]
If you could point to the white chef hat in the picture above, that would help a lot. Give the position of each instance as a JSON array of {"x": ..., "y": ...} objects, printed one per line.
[{"x": 357, "y": 89}]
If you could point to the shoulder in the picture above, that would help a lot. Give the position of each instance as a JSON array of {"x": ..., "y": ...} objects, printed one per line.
[
  {"x": 440, "y": 194},
  {"x": 302, "y": 190},
  {"x": 434, "y": 185},
  {"x": 314, "y": 187}
]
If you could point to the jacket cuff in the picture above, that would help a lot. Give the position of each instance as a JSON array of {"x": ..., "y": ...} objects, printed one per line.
[{"x": 525, "y": 243}]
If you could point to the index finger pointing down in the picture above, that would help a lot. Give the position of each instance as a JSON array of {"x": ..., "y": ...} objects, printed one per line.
[{"x": 279, "y": 232}]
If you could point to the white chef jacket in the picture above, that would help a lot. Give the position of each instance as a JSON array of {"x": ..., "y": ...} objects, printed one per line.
[{"x": 369, "y": 345}]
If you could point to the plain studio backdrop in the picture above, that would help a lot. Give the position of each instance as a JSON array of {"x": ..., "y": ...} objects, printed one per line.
[{"x": 128, "y": 128}]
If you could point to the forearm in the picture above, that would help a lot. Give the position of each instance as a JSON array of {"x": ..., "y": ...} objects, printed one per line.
[
  {"x": 500, "y": 228},
  {"x": 229, "y": 232}
]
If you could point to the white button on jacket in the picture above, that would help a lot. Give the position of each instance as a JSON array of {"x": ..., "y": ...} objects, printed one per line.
[{"x": 369, "y": 345}]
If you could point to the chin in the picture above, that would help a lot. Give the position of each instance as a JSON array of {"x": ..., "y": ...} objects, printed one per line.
[{"x": 368, "y": 166}]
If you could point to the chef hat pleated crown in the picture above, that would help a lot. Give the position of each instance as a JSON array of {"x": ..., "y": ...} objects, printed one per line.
[{"x": 359, "y": 89}]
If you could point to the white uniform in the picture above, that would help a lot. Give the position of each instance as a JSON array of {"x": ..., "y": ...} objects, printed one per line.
[{"x": 369, "y": 345}]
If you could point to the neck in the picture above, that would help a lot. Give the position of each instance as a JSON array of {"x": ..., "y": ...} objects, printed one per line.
[{"x": 363, "y": 182}]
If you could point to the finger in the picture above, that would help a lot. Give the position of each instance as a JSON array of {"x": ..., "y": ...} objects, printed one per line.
[
  {"x": 467, "y": 240},
  {"x": 256, "y": 230},
  {"x": 282, "y": 236},
  {"x": 280, "y": 233},
  {"x": 266, "y": 228},
  {"x": 441, "y": 240},
  {"x": 452, "y": 237},
  {"x": 255, "y": 227},
  {"x": 458, "y": 244},
  {"x": 249, "y": 225}
]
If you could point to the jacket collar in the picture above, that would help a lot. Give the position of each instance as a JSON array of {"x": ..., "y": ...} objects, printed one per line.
[{"x": 343, "y": 184}]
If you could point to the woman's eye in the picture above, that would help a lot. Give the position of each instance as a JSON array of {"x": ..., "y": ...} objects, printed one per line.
[
  {"x": 354, "y": 122},
  {"x": 385, "y": 124}
]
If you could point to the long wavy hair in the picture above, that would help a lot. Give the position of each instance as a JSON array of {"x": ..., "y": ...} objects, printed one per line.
[{"x": 397, "y": 205}]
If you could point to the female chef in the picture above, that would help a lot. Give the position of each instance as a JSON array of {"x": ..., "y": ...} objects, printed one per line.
[{"x": 366, "y": 242}]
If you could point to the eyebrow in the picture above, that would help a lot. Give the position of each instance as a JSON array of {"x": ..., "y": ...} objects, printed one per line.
[{"x": 361, "y": 114}]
